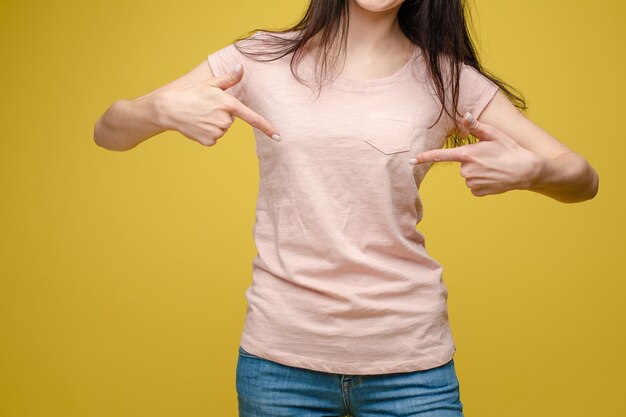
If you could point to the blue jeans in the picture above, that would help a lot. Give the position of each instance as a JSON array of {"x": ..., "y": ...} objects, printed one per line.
[{"x": 270, "y": 389}]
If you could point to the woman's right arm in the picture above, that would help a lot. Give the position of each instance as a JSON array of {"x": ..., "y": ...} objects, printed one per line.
[
  {"x": 128, "y": 122},
  {"x": 194, "y": 105}
]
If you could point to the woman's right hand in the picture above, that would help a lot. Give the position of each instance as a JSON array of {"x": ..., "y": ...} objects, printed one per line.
[{"x": 203, "y": 111}]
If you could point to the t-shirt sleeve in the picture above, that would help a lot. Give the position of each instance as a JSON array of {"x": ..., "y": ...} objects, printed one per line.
[
  {"x": 475, "y": 92},
  {"x": 222, "y": 62}
]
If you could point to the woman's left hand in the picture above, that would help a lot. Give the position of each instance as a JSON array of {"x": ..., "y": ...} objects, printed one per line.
[{"x": 495, "y": 164}]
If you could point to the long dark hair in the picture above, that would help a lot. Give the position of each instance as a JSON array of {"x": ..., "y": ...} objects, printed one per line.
[{"x": 438, "y": 27}]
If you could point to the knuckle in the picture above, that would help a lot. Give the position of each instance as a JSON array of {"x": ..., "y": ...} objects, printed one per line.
[
  {"x": 224, "y": 124},
  {"x": 478, "y": 192},
  {"x": 208, "y": 141},
  {"x": 255, "y": 121},
  {"x": 220, "y": 132},
  {"x": 230, "y": 103}
]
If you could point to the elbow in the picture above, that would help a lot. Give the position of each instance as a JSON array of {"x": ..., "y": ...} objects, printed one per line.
[
  {"x": 595, "y": 182},
  {"x": 591, "y": 181},
  {"x": 100, "y": 131},
  {"x": 585, "y": 185},
  {"x": 96, "y": 134},
  {"x": 99, "y": 139},
  {"x": 104, "y": 135},
  {"x": 588, "y": 180}
]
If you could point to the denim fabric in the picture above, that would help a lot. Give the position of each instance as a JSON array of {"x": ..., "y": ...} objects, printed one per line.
[{"x": 269, "y": 389}]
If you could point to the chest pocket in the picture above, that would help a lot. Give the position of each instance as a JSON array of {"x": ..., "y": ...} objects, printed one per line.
[{"x": 388, "y": 133}]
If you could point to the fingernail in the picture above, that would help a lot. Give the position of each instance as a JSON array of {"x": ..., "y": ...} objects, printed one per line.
[
  {"x": 276, "y": 137},
  {"x": 469, "y": 117},
  {"x": 236, "y": 67},
  {"x": 413, "y": 161}
]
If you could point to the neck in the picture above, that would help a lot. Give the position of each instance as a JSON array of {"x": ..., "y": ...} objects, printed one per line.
[{"x": 375, "y": 32}]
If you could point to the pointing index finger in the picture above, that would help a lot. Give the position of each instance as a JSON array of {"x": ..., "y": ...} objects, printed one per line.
[
  {"x": 437, "y": 155},
  {"x": 254, "y": 119}
]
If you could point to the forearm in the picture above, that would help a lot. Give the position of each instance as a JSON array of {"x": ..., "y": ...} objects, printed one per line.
[
  {"x": 568, "y": 178},
  {"x": 127, "y": 123}
]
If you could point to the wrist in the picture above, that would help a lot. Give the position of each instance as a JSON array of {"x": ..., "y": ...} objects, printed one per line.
[
  {"x": 538, "y": 166},
  {"x": 158, "y": 104}
]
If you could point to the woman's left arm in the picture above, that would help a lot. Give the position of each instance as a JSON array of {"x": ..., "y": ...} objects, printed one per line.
[{"x": 516, "y": 154}]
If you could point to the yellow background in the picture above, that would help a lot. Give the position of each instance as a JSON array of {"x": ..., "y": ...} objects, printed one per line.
[{"x": 123, "y": 273}]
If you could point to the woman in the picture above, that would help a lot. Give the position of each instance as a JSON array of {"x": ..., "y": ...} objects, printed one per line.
[{"x": 347, "y": 312}]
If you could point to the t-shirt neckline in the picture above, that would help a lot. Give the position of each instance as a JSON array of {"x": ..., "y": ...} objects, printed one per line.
[{"x": 355, "y": 84}]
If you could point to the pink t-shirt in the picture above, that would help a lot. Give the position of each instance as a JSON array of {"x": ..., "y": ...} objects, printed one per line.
[{"x": 342, "y": 281}]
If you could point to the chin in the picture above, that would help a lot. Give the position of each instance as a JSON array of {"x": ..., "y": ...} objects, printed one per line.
[{"x": 378, "y": 5}]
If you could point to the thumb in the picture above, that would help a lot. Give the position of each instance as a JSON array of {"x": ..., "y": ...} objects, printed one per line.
[
  {"x": 476, "y": 128},
  {"x": 229, "y": 79}
]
